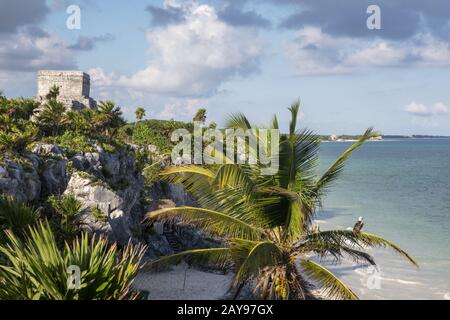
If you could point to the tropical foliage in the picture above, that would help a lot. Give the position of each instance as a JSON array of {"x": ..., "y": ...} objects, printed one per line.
[
  {"x": 36, "y": 269},
  {"x": 16, "y": 217},
  {"x": 200, "y": 115},
  {"x": 52, "y": 117},
  {"x": 69, "y": 211},
  {"x": 268, "y": 221},
  {"x": 140, "y": 113},
  {"x": 153, "y": 132}
]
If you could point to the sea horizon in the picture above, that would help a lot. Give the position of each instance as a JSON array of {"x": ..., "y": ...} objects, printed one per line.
[{"x": 399, "y": 187}]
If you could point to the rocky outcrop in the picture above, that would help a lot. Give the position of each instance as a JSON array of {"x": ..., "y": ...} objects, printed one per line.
[
  {"x": 111, "y": 190},
  {"x": 107, "y": 184},
  {"x": 20, "y": 181},
  {"x": 116, "y": 206}
]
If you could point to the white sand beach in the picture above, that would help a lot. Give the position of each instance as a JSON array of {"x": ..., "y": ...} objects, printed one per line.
[{"x": 172, "y": 284}]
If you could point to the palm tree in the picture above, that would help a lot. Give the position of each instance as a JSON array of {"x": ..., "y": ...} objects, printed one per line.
[
  {"x": 110, "y": 117},
  {"x": 53, "y": 93},
  {"x": 52, "y": 116},
  {"x": 140, "y": 113},
  {"x": 267, "y": 221},
  {"x": 200, "y": 115},
  {"x": 36, "y": 269}
]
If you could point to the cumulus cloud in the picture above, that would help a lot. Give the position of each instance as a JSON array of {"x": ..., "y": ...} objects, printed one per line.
[
  {"x": 170, "y": 13},
  {"x": 315, "y": 52},
  {"x": 400, "y": 20},
  {"x": 18, "y": 13},
  {"x": 194, "y": 57},
  {"x": 30, "y": 52},
  {"x": 184, "y": 107},
  {"x": 24, "y": 45},
  {"x": 423, "y": 110},
  {"x": 89, "y": 43},
  {"x": 233, "y": 14}
]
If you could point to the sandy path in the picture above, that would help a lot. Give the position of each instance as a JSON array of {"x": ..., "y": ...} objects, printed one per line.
[{"x": 168, "y": 285}]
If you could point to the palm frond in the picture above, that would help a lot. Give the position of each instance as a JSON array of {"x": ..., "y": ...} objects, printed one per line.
[
  {"x": 275, "y": 122},
  {"x": 209, "y": 220},
  {"x": 337, "y": 167},
  {"x": 213, "y": 256},
  {"x": 358, "y": 239},
  {"x": 188, "y": 169},
  {"x": 195, "y": 179},
  {"x": 231, "y": 175},
  {"x": 333, "y": 287},
  {"x": 238, "y": 121},
  {"x": 251, "y": 257},
  {"x": 306, "y": 148},
  {"x": 295, "y": 107}
]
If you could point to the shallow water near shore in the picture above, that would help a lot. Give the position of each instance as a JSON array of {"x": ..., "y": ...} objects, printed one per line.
[{"x": 402, "y": 189}]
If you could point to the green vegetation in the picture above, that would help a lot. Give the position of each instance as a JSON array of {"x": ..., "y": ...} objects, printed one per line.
[
  {"x": 153, "y": 132},
  {"x": 267, "y": 221},
  {"x": 36, "y": 269},
  {"x": 35, "y": 254},
  {"x": 200, "y": 116},
  {"x": 99, "y": 215},
  {"x": 69, "y": 211},
  {"x": 16, "y": 217},
  {"x": 140, "y": 113}
]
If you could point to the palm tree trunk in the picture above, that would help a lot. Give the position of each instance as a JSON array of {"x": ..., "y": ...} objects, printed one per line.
[{"x": 238, "y": 290}]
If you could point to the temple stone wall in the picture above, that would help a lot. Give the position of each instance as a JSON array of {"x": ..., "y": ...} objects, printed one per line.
[{"x": 74, "y": 88}]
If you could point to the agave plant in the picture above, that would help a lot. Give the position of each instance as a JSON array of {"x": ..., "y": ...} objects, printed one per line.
[
  {"x": 69, "y": 210},
  {"x": 36, "y": 269},
  {"x": 16, "y": 217},
  {"x": 268, "y": 221}
]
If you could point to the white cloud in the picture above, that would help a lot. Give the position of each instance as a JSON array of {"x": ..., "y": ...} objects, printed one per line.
[
  {"x": 194, "y": 57},
  {"x": 422, "y": 110},
  {"x": 26, "y": 52},
  {"x": 182, "y": 109},
  {"x": 314, "y": 52}
]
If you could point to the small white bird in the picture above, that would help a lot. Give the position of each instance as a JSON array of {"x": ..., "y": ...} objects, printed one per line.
[{"x": 359, "y": 225}]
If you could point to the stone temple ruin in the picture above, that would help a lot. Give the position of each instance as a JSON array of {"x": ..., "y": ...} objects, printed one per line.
[{"x": 74, "y": 88}]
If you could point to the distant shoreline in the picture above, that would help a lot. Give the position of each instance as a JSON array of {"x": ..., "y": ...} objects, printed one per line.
[{"x": 350, "y": 138}]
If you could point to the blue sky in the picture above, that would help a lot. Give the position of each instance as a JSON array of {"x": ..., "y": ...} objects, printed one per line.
[{"x": 173, "y": 57}]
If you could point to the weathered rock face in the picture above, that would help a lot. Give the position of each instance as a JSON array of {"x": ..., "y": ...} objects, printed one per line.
[
  {"x": 109, "y": 182},
  {"x": 115, "y": 205},
  {"x": 109, "y": 186},
  {"x": 21, "y": 182},
  {"x": 113, "y": 186}
]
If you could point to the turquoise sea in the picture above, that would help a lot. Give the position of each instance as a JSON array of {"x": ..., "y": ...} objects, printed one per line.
[{"x": 402, "y": 189}]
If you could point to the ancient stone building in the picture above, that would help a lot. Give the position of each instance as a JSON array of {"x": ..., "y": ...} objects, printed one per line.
[{"x": 74, "y": 88}]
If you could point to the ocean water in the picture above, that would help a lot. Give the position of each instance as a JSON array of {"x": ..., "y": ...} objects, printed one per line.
[{"x": 402, "y": 189}]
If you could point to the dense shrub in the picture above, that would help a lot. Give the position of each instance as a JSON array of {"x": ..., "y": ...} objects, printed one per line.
[
  {"x": 36, "y": 268},
  {"x": 154, "y": 132}
]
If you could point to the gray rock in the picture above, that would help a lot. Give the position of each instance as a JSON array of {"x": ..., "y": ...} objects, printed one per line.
[
  {"x": 21, "y": 183},
  {"x": 47, "y": 149},
  {"x": 54, "y": 176}
]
